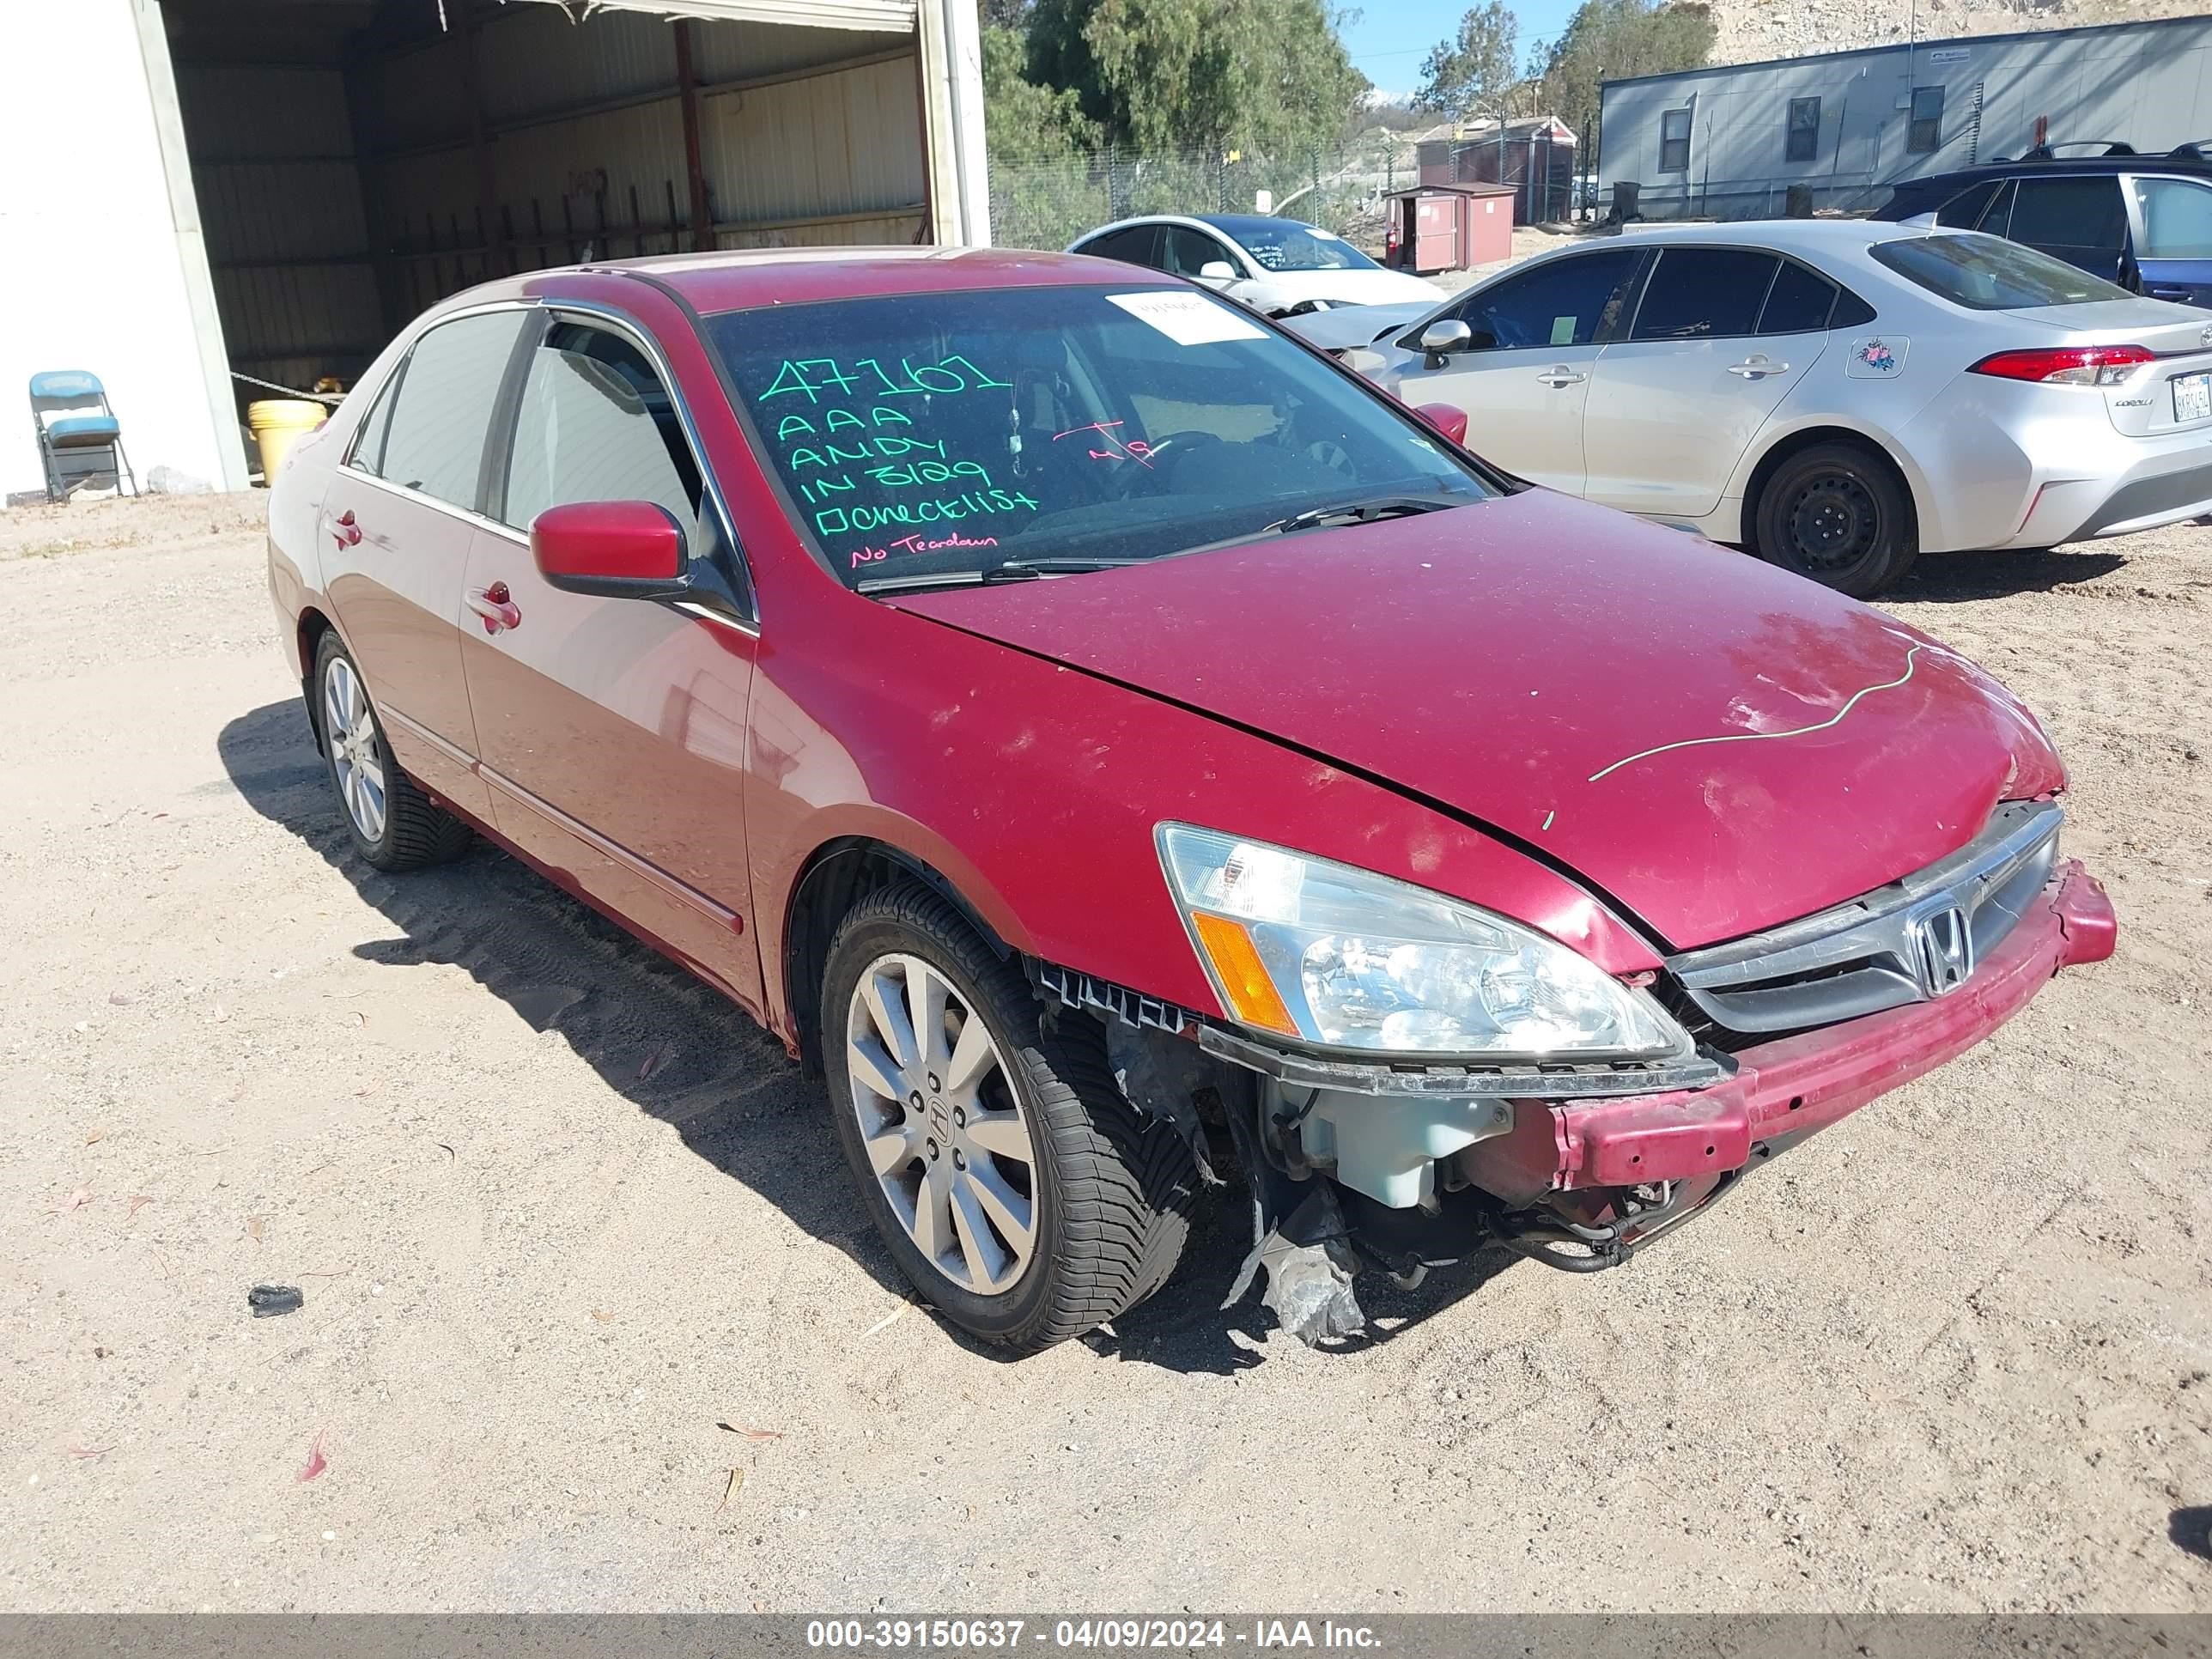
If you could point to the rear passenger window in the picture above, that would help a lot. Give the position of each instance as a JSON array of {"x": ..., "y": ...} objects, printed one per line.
[
  {"x": 597, "y": 425},
  {"x": 1850, "y": 311},
  {"x": 1704, "y": 293},
  {"x": 2067, "y": 216},
  {"x": 1963, "y": 211},
  {"x": 1133, "y": 246},
  {"x": 442, "y": 408},
  {"x": 1997, "y": 222},
  {"x": 1798, "y": 303}
]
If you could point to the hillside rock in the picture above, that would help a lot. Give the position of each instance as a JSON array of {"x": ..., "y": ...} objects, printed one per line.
[{"x": 1750, "y": 31}]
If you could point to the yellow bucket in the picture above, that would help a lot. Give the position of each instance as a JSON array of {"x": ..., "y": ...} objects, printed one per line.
[{"x": 277, "y": 423}]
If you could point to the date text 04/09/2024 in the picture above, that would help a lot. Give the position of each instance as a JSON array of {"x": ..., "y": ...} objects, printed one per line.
[{"x": 1011, "y": 1635}]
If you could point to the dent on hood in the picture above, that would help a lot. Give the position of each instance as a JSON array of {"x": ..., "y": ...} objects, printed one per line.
[{"x": 2032, "y": 769}]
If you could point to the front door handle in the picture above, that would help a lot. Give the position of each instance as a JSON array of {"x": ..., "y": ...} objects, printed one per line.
[
  {"x": 346, "y": 530},
  {"x": 495, "y": 606},
  {"x": 1562, "y": 375},
  {"x": 1757, "y": 368},
  {"x": 2180, "y": 294}
]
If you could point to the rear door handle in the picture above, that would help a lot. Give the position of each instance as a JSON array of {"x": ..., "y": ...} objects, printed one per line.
[
  {"x": 495, "y": 606},
  {"x": 1556, "y": 378},
  {"x": 1757, "y": 368},
  {"x": 345, "y": 530},
  {"x": 2181, "y": 294}
]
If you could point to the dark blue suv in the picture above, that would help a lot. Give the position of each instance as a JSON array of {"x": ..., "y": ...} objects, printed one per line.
[{"x": 2144, "y": 221}]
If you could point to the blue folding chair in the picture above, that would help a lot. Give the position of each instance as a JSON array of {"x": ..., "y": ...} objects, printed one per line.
[{"x": 79, "y": 438}]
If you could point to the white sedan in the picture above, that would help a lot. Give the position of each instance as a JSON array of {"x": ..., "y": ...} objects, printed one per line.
[
  {"x": 1273, "y": 266},
  {"x": 1834, "y": 395}
]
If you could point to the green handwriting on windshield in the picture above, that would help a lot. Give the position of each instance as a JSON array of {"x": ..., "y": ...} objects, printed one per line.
[
  {"x": 863, "y": 462},
  {"x": 812, "y": 378}
]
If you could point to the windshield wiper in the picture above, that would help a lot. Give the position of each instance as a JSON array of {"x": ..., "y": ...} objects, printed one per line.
[
  {"x": 1366, "y": 512},
  {"x": 1009, "y": 570},
  {"x": 1314, "y": 518}
]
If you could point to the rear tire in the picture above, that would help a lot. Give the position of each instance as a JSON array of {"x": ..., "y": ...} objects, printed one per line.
[
  {"x": 1054, "y": 1206},
  {"x": 1838, "y": 514},
  {"x": 393, "y": 824}
]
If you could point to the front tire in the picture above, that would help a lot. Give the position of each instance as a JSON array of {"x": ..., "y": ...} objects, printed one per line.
[
  {"x": 1838, "y": 514},
  {"x": 1017, "y": 1188},
  {"x": 393, "y": 824}
]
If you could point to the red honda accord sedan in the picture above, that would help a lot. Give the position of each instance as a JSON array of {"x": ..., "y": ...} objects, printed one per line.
[{"x": 1107, "y": 742}]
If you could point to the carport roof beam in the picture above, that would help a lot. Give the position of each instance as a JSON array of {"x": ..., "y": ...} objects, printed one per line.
[{"x": 869, "y": 16}]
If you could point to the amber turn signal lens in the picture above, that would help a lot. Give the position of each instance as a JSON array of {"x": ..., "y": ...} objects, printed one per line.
[{"x": 1252, "y": 995}]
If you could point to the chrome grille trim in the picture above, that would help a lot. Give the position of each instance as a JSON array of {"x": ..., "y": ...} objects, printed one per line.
[{"x": 1873, "y": 952}]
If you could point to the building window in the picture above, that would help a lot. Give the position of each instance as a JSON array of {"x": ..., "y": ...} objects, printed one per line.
[
  {"x": 1674, "y": 141},
  {"x": 1926, "y": 136},
  {"x": 1804, "y": 129}
]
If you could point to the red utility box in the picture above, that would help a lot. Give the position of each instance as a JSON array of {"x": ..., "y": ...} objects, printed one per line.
[{"x": 1452, "y": 227}]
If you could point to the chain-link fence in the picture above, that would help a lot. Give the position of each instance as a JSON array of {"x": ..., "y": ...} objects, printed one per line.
[{"x": 1048, "y": 204}]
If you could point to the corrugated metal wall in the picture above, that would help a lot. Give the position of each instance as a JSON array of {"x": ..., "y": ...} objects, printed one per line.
[
  {"x": 341, "y": 189},
  {"x": 807, "y": 136},
  {"x": 280, "y": 200}
]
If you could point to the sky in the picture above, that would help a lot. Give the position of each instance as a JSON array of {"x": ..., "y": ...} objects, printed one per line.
[{"x": 1392, "y": 37}]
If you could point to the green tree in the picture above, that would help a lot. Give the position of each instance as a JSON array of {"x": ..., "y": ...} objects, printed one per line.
[
  {"x": 1608, "y": 39},
  {"x": 1264, "y": 75},
  {"x": 1023, "y": 121},
  {"x": 1473, "y": 72}
]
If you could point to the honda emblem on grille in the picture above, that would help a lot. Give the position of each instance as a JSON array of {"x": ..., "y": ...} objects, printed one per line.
[
  {"x": 2204, "y": 335},
  {"x": 1942, "y": 948}
]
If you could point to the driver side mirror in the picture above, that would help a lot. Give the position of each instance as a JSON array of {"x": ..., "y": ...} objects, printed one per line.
[
  {"x": 615, "y": 550},
  {"x": 1217, "y": 270},
  {"x": 1445, "y": 336}
]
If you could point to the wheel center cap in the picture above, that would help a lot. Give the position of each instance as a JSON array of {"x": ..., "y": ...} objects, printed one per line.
[{"x": 941, "y": 1121}]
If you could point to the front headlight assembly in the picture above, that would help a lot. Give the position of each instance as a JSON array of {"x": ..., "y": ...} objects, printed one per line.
[{"x": 1343, "y": 958}]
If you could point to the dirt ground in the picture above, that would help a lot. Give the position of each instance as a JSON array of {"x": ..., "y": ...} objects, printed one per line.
[{"x": 594, "y": 1320}]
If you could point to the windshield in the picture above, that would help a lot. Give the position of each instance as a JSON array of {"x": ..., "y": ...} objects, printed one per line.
[
  {"x": 940, "y": 435},
  {"x": 1984, "y": 273},
  {"x": 1286, "y": 245}
]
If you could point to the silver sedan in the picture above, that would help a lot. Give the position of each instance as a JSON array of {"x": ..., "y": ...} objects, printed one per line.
[{"x": 1836, "y": 396}]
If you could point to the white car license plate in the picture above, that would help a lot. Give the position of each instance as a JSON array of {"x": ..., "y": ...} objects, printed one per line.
[{"x": 2192, "y": 397}]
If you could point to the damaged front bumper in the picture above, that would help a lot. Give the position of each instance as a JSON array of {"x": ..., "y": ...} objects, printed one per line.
[
  {"x": 1785, "y": 1090},
  {"x": 1562, "y": 1164}
]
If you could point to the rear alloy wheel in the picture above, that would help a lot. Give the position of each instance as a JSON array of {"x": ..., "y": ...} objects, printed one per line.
[
  {"x": 1838, "y": 514},
  {"x": 395, "y": 826},
  {"x": 1017, "y": 1188}
]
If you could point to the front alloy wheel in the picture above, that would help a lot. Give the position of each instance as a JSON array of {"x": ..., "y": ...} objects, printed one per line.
[
  {"x": 1012, "y": 1181},
  {"x": 945, "y": 1132}
]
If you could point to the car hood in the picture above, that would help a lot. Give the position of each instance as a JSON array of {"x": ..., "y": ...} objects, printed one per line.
[
  {"x": 1343, "y": 327},
  {"x": 1352, "y": 288},
  {"x": 1713, "y": 744}
]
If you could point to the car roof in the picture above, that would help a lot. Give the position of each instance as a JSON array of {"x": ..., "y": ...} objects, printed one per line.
[
  {"x": 1243, "y": 224},
  {"x": 1137, "y": 219},
  {"x": 2022, "y": 167},
  {"x": 1810, "y": 237},
  {"x": 741, "y": 280}
]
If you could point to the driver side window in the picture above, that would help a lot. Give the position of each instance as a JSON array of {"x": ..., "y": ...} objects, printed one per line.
[
  {"x": 597, "y": 425},
  {"x": 1186, "y": 251},
  {"x": 1572, "y": 302}
]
